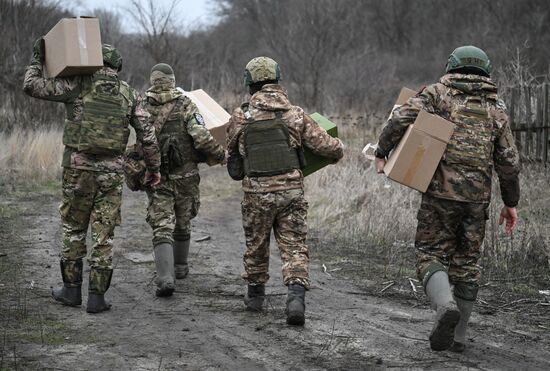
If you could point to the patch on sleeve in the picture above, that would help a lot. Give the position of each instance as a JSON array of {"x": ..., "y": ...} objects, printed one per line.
[
  {"x": 199, "y": 119},
  {"x": 501, "y": 105}
]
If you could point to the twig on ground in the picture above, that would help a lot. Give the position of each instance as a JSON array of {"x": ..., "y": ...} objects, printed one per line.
[
  {"x": 519, "y": 301},
  {"x": 325, "y": 270},
  {"x": 413, "y": 286},
  {"x": 204, "y": 238},
  {"x": 387, "y": 286}
]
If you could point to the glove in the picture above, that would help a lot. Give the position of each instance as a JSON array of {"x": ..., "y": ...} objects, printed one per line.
[
  {"x": 152, "y": 179},
  {"x": 39, "y": 50}
]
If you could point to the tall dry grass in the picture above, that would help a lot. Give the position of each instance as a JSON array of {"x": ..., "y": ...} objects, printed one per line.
[
  {"x": 30, "y": 156},
  {"x": 365, "y": 213}
]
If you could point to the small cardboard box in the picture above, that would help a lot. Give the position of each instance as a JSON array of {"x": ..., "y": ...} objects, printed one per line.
[
  {"x": 403, "y": 97},
  {"x": 73, "y": 47},
  {"x": 215, "y": 117},
  {"x": 315, "y": 162},
  {"x": 414, "y": 161}
]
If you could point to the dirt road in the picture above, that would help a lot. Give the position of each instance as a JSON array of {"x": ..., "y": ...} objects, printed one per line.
[{"x": 204, "y": 325}]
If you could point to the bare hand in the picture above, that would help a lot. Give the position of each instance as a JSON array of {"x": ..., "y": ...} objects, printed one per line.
[
  {"x": 511, "y": 216},
  {"x": 152, "y": 179},
  {"x": 379, "y": 163}
]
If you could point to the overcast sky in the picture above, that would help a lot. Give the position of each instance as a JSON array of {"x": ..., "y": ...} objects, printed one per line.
[{"x": 190, "y": 13}]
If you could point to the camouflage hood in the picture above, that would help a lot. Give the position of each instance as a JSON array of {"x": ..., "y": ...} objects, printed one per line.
[
  {"x": 163, "y": 88},
  {"x": 470, "y": 84},
  {"x": 107, "y": 71},
  {"x": 272, "y": 97}
]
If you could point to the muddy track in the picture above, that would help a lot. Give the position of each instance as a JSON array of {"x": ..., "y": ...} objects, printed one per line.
[{"x": 204, "y": 325}]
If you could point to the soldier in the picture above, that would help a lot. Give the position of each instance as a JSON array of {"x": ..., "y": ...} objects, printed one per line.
[
  {"x": 184, "y": 142},
  {"x": 269, "y": 132},
  {"x": 99, "y": 109},
  {"x": 454, "y": 209}
]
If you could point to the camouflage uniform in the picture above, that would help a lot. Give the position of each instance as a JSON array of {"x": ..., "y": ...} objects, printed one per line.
[
  {"x": 176, "y": 200},
  {"x": 92, "y": 184},
  {"x": 277, "y": 202},
  {"x": 451, "y": 219}
]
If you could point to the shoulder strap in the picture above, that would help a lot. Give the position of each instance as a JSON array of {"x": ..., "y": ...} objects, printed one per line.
[{"x": 164, "y": 112}]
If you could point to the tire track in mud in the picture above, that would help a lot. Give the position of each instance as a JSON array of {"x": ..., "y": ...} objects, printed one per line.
[{"x": 204, "y": 325}]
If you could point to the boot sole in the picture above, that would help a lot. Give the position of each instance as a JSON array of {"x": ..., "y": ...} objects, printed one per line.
[
  {"x": 296, "y": 319},
  {"x": 93, "y": 311},
  {"x": 163, "y": 293},
  {"x": 457, "y": 347},
  {"x": 442, "y": 335}
]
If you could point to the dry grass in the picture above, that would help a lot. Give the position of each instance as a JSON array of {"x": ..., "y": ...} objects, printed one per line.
[
  {"x": 367, "y": 215},
  {"x": 31, "y": 156}
]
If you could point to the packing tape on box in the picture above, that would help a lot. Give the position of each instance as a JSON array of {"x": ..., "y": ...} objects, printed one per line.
[
  {"x": 415, "y": 163},
  {"x": 81, "y": 31}
]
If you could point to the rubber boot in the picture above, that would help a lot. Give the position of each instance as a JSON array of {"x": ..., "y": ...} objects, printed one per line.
[
  {"x": 295, "y": 305},
  {"x": 447, "y": 315},
  {"x": 181, "y": 252},
  {"x": 164, "y": 262},
  {"x": 71, "y": 292},
  {"x": 100, "y": 280},
  {"x": 465, "y": 307},
  {"x": 254, "y": 298}
]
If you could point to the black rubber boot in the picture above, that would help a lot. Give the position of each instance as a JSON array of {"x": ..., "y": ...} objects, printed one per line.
[
  {"x": 100, "y": 280},
  {"x": 164, "y": 263},
  {"x": 181, "y": 252},
  {"x": 295, "y": 305},
  {"x": 254, "y": 298},
  {"x": 71, "y": 292}
]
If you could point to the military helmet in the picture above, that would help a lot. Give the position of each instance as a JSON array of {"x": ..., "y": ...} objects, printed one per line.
[
  {"x": 469, "y": 57},
  {"x": 111, "y": 57},
  {"x": 164, "y": 68},
  {"x": 261, "y": 69}
]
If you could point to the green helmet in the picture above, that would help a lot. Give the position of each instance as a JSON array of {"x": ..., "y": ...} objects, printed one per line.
[
  {"x": 111, "y": 57},
  {"x": 469, "y": 57},
  {"x": 261, "y": 69}
]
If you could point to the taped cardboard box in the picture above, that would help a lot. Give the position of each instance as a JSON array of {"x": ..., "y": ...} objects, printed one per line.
[
  {"x": 315, "y": 162},
  {"x": 73, "y": 47},
  {"x": 215, "y": 117},
  {"x": 414, "y": 161}
]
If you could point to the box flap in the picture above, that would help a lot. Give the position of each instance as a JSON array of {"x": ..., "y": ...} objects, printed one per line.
[
  {"x": 404, "y": 96},
  {"x": 214, "y": 115},
  {"x": 434, "y": 126}
]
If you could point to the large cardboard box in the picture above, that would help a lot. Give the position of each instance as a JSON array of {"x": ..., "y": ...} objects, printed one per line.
[
  {"x": 73, "y": 47},
  {"x": 215, "y": 117},
  {"x": 315, "y": 162},
  {"x": 414, "y": 161}
]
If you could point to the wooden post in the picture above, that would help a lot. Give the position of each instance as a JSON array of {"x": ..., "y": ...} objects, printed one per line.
[{"x": 528, "y": 122}]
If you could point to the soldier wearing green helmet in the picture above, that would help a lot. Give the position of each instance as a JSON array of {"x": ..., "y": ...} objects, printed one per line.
[
  {"x": 454, "y": 209},
  {"x": 266, "y": 136},
  {"x": 100, "y": 108}
]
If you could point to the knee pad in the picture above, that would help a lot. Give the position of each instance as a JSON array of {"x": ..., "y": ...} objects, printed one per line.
[{"x": 426, "y": 272}]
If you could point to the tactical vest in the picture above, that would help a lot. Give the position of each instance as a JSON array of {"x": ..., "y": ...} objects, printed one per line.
[
  {"x": 176, "y": 145},
  {"x": 267, "y": 147},
  {"x": 472, "y": 142},
  {"x": 107, "y": 104}
]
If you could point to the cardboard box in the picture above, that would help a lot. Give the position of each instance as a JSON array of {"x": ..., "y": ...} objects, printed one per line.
[
  {"x": 73, "y": 47},
  {"x": 414, "y": 161},
  {"x": 315, "y": 162},
  {"x": 403, "y": 97},
  {"x": 215, "y": 117}
]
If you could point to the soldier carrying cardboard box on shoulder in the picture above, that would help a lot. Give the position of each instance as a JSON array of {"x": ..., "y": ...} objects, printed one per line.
[
  {"x": 99, "y": 109},
  {"x": 454, "y": 209},
  {"x": 267, "y": 134}
]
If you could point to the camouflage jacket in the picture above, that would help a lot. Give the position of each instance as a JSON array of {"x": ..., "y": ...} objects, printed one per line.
[
  {"x": 302, "y": 129},
  {"x": 195, "y": 141},
  {"x": 67, "y": 90},
  {"x": 482, "y": 138}
]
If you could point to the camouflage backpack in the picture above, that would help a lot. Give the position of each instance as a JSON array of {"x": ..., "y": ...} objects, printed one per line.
[
  {"x": 107, "y": 104},
  {"x": 134, "y": 164}
]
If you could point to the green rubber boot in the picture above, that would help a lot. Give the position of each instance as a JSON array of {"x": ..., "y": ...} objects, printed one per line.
[
  {"x": 100, "y": 280},
  {"x": 447, "y": 315},
  {"x": 465, "y": 307},
  {"x": 164, "y": 262},
  {"x": 295, "y": 305},
  {"x": 71, "y": 292},
  {"x": 254, "y": 298},
  {"x": 181, "y": 252}
]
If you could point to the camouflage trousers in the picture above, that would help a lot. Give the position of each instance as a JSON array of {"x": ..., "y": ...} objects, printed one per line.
[
  {"x": 90, "y": 197},
  {"x": 449, "y": 237},
  {"x": 172, "y": 205},
  {"x": 286, "y": 213}
]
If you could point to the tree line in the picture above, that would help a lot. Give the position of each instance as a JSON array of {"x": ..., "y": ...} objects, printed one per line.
[{"x": 336, "y": 56}]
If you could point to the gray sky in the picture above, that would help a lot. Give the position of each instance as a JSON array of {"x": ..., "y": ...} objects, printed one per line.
[{"x": 190, "y": 13}]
